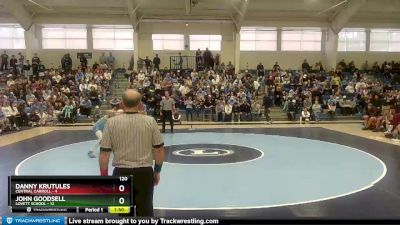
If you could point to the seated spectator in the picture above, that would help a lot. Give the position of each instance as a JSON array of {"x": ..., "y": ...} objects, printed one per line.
[
  {"x": 305, "y": 115},
  {"x": 307, "y": 103},
  {"x": 3, "y": 121},
  {"x": 95, "y": 66},
  {"x": 85, "y": 107},
  {"x": 317, "y": 110},
  {"x": 291, "y": 109},
  {"x": 10, "y": 112},
  {"x": 256, "y": 110},
  {"x": 245, "y": 111},
  {"x": 42, "y": 118},
  {"x": 67, "y": 113},
  {"x": 208, "y": 108},
  {"x": 236, "y": 112},
  {"x": 108, "y": 75},
  {"x": 58, "y": 105},
  {"x": 103, "y": 66},
  {"x": 347, "y": 105},
  {"x": 278, "y": 96},
  {"x": 34, "y": 119},
  {"x": 352, "y": 67},
  {"x": 30, "y": 98},
  {"x": 97, "y": 113},
  {"x": 377, "y": 102},
  {"x": 228, "y": 111},
  {"x": 220, "y": 111},
  {"x": 51, "y": 117},
  {"x": 25, "y": 112},
  {"x": 94, "y": 96},
  {"x": 332, "y": 107},
  {"x": 370, "y": 116},
  {"x": 336, "y": 82},
  {"x": 115, "y": 103},
  {"x": 392, "y": 122},
  {"x": 57, "y": 78},
  {"x": 380, "y": 120},
  {"x": 350, "y": 88}
]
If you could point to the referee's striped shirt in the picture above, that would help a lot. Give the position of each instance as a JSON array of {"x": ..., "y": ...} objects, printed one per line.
[{"x": 131, "y": 137}]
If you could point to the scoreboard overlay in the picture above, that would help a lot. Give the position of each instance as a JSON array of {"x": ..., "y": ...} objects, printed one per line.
[{"x": 85, "y": 194}]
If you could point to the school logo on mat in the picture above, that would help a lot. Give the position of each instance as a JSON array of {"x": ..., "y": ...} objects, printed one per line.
[
  {"x": 9, "y": 220},
  {"x": 206, "y": 152},
  {"x": 209, "y": 153}
]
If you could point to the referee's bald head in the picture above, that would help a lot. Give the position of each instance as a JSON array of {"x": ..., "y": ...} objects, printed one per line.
[{"x": 131, "y": 98}]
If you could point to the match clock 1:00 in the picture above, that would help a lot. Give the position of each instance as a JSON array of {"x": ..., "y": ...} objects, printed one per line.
[{"x": 119, "y": 209}]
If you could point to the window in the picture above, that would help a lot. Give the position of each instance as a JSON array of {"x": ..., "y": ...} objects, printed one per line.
[
  {"x": 64, "y": 37},
  {"x": 112, "y": 37},
  {"x": 385, "y": 40},
  {"x": 258, "y": 39},
  {"x": 352, "y": 40},
  {"x": 212, "y": 42},
  {"x": 301, "y": 39},
  {"x": 11, "y": 37},
  {"x": 168, "y": 42}
]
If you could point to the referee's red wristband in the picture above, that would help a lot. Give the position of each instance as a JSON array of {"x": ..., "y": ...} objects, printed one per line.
[{"x": 104, "y": 172}]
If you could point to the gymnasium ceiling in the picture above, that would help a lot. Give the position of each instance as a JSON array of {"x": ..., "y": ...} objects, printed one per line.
[{"x": 255, "y": 10}]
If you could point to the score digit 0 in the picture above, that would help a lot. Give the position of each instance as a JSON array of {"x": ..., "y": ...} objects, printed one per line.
[
  {"x": 121, "y": 200},
  {"x": 121, "y": 188}
]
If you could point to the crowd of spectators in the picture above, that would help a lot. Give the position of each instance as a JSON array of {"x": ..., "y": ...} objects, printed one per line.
[
  {"x": 217, "y": 93},
  {"x": 213, "y": 91},
  {"x": 31, "y": 95}
]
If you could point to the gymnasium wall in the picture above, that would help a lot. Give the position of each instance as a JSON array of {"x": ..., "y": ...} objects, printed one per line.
[
  {"x": 148, "y": 28},
  {"x": 293, "y": 60}
]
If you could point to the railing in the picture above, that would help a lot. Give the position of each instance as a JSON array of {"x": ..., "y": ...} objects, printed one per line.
[{"x": 182, "y": 62}]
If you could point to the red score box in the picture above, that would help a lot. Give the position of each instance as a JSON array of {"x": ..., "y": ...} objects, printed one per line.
[{"x": 82, "y": 189}]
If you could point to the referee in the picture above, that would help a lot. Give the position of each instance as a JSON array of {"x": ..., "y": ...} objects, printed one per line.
[
  {"x": 135, "y": 141},
  {"x": 167, "y": 109}
]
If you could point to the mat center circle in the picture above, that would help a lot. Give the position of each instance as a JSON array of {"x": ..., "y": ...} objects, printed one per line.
[{"x": 210, "y": 153}]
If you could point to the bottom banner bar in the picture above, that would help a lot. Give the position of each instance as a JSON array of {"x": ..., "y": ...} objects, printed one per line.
[{"x": 57, "y": 220}]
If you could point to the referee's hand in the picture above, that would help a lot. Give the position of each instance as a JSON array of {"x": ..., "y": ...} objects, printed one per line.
[{"x": 156, "y": 178}]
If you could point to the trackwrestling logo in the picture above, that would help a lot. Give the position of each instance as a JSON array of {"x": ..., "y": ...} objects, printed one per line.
[{"x": 34, "y": 220}]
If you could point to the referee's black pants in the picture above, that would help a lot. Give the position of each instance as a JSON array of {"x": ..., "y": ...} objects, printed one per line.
[
  {"x": 143, "y": 187},
  {"x": 167, "y": 114}
]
